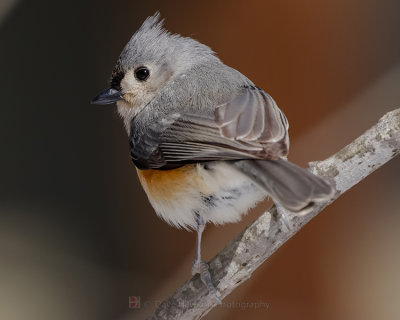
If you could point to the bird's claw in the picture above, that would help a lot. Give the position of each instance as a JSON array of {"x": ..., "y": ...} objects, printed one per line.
[
  {"x": 201, "y": 267},
  {"x": 282, "y": 216}
]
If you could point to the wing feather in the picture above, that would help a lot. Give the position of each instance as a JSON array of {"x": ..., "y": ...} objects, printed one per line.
[{"x": 251, "y": 126}]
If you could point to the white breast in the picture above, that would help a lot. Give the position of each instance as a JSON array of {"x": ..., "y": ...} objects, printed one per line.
[
  {"x": 217, "y": 191},
  {"x": 233, "y": 193}
]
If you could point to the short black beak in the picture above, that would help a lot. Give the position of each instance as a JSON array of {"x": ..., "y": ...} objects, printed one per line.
[{"x": 107, "y": 96}]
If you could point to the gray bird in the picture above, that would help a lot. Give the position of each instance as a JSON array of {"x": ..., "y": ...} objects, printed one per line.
[{"x": 207, "y": 143}]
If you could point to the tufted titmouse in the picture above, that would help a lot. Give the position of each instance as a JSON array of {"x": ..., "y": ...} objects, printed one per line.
[{"x": 207, "y": 143}]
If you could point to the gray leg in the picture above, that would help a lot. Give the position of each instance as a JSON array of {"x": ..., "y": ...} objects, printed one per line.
[
  {"x": 282, "y": 215},
  {"x": 199, "y": 265}
]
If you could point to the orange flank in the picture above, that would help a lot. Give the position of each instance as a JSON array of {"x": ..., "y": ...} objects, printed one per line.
[{"x": 168, "y": 184}]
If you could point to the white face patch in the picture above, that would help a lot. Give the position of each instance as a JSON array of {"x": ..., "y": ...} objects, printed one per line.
[
  {"x": 138, "y": 93},
  {"x": 127, "y": 113}
]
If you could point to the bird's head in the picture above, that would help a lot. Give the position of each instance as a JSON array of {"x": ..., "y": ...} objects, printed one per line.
[{"x": 150, "y": 60}]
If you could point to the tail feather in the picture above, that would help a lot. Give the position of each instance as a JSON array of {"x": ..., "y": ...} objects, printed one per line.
[{"x": 295, "y": 188}]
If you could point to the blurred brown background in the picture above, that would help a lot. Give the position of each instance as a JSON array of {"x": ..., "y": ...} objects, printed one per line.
[{"x": 77, "y": 235}]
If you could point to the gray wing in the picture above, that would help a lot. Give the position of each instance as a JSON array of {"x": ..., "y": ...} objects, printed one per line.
[
  {"x": 252, "y": 116},
  {"x": 251, "y": 126}
]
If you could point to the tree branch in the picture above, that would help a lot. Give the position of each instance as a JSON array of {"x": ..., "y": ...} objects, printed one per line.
[{"x": 240, "y": 258}]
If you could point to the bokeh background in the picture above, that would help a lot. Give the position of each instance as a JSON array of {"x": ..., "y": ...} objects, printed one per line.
[{"x": 77, "y": 235}]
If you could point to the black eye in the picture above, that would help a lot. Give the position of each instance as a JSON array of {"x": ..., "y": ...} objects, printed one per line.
[{"x": 142, "y": 73}]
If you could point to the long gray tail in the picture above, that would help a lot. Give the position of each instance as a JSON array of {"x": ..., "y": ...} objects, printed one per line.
[{"x": 295, "y": 188}]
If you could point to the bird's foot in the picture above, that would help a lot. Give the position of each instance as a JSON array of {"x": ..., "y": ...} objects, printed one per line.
[
  {"x": 201, "y": 267},
  {"x": 282, "y": 215}
]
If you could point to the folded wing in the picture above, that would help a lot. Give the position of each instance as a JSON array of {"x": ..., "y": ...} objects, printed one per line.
[{"x": 251, "y": 126}]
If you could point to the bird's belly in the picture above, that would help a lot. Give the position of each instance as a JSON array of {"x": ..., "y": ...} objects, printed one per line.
[{"x": 217, "y": 191}]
